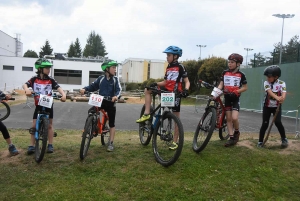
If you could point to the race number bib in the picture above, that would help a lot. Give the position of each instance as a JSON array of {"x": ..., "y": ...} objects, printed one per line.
[
  {"x": 167, "y": 99},
  {"x": 95, "y": 100},
  {"x": 45, "y": 101}
]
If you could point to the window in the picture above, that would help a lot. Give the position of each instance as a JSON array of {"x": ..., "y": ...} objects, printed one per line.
[
  {"x": 68, "y": 76},
  {"x": 94, "y": 75},
  {"x": 26, "y": 68},
  {"x": 8, "y": 67}
]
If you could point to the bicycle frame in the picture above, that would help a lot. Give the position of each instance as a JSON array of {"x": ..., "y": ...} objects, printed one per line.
[
  {"x": 101, "y": 123},
  {"x": 218, "y": 105}
]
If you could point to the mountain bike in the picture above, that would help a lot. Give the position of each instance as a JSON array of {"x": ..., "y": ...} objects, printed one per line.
[
  {"x": 96, "y": 123},
  {"x": 41, "y": 126},
  {"x": 213, "y": 118},
  {"x": 163, "y": 124},
  {"x": 4, "y": 108}
]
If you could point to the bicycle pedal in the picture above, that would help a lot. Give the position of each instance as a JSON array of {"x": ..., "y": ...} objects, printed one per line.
[{"x": 55, "y": 134}]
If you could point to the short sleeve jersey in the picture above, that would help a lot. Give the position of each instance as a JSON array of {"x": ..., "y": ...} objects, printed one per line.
[
  {"x": 43, "y": 86},
  {"x": 175, "y": 72},
  {"x": 233, "y": 81},
  {"x": 277, "y": 88}
]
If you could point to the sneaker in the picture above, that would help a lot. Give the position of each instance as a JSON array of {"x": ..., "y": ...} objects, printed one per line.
[
  {"x": 259, "y": 144},
  {"x": 13, "y": 150},
  {"x": 173, "y": 146},
  {"x": 110, "y": 147},
  {"x": 284, "y": 143},
  {"x": 236, "y": 136},
  {"x": 30, "y": 150},
  {"x": 50, "y": 148},
  {"x": 143, "y": 118},
  {"x": 230, "y": 142}
]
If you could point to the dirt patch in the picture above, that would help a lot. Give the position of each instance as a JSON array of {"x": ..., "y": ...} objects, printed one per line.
[
  {"x": 5, "y": 157},
  {"x": 134, "y": 100}
]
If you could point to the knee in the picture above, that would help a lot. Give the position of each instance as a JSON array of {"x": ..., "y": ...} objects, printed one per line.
[{"x": 50, "y": 127}]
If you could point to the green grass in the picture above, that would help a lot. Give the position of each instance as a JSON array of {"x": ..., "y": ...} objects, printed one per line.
[{"x": 131, "y": 173}]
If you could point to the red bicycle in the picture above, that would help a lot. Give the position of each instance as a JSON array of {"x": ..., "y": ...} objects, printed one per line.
[
  {"x": 213, "y": 118},
  {"x": 96, "y": 123}
]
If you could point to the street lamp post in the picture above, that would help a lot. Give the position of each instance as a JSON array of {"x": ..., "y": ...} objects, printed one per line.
[
  {"x": 247, "y": 49},
  {"x": 283, "y": 16},
  {"x": 200, "y": 50}
]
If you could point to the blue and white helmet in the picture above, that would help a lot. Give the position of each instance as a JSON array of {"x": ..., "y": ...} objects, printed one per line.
[{"x": 174, "y": 50}]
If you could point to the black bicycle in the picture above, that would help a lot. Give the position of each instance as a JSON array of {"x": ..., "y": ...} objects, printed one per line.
[
  {"x": 4, "y": 108},
  {"x": 164, "y": 126}
]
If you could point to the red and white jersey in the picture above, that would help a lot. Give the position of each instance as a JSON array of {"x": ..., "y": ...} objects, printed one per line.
[
  {"x": 43, "y": 86},
  {"x": 174, "y": 74},
  {"x": 277, "y": 88},
  {"x": 233, "y": 81}
]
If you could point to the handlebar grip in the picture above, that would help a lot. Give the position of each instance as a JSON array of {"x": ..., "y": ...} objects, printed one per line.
[{"x": 12, "y": 99}]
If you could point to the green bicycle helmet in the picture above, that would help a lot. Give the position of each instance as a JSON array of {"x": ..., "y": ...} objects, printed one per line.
[
  {"x": 108, "y": 64},
  {"x": 43, "y": 63}
]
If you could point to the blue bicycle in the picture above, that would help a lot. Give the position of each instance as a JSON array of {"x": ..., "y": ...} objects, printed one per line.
[
  {"x": 41, "y": 130},
  {"x": 165, "y": 127}
]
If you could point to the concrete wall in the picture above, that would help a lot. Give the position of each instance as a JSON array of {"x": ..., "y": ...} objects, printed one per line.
[{"x": 8, "y": 45}]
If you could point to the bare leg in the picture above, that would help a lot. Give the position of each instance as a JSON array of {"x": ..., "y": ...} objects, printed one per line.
[
  {"x": 8, "y": 141},
  {"x": 229, "y": 122},
  {"x": 235, "y": 119},
  {"x": 112, "y": 132},
  {"x": 176, "y": 127},
  {"x": 50, "y": 131},
  {"x": 147, "y": 101},
  {"x": 32, "y": 139}
]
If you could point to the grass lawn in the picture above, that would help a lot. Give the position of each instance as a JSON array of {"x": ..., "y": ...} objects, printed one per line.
[{"x": 243, "y": 172}]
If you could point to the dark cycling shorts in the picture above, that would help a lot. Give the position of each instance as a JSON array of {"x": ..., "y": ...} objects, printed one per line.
[
  {"x": 176, "y": 108},
  {"x": 110, "y": 108},
  {"x": 39, "y": 108},
  {"x": 232, "y": 103}
]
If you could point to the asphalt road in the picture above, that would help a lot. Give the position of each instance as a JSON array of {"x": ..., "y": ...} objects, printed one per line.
[{"x": 72, "y": 115}]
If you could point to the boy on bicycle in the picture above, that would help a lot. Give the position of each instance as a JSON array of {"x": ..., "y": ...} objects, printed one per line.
[
  {"x": 11, "y": 147},
  {"x": 109, "y": 87},
  {"x": 43, "y": 84},
  {"x": 174, "y": 76},
  {"x": 234, "y": 83},
  {"x": 275, "y": 93}
]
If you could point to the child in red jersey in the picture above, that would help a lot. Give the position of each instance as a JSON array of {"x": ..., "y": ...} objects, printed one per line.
[
  {"x": 174, "y": 76},
  {"x": 43, "y": 84},
  {"x": 233, "y": 82}
]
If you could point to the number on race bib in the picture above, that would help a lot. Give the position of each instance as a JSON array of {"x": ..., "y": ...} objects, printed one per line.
[
  {"x": 167, "y": 100},
  {"x": 95, "y": 100}
]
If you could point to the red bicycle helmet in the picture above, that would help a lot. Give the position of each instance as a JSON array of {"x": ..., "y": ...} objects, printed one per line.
[{"x": 236, "y": 57}]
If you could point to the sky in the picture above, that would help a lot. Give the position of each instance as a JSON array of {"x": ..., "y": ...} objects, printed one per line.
[{"x": 144, "y": 28}]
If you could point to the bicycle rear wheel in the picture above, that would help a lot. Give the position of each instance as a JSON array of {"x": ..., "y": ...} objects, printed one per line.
[
  {"x": 204, "y": 130},
  {"x": 87, "y": 136},
  {"x": 41, "y": 142},
  {"x": 145, "y": 128},
  {"x": 105, "y": 135},
  {"x": 4, "y": 111},
  {"x": 223, "y": 132},
  {"x": 163, "y": 137}
]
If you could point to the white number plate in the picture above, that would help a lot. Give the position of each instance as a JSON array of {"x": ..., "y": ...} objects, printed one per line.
[
  {"x": 95, "y": 100},
  {"x": 167, "y": 99},
  {"x": 45, "y": 101}
]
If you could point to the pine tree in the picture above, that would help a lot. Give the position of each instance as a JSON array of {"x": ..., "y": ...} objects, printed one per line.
[
  {"x": 71, "y": 51},
  {"x": 46, "y": 49},
  {"x": 77, "y": 48},
  {"x": 95, "y": 46}
]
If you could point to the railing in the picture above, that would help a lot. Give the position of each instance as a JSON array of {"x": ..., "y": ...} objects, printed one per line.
[{"x": 297, "y": 121}]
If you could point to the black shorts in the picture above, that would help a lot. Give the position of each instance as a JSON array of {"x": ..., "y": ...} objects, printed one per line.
[
  {"x": 232, "y": 103},
  {"x": 110, "y": 108},
  {"x": 39, "y": 108}
]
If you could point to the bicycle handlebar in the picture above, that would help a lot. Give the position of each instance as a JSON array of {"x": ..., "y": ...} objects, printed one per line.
[
  {"x": 3, "y": 98},
  {"x": 207, "y": 85}
]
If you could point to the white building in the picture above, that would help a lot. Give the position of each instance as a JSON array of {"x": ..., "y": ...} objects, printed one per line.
[
  {"x": 139, "y": 70},
  {"x": 10, "y": 46}
]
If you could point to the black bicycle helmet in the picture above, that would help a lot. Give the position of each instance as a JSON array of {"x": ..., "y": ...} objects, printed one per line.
[
  {"x": 236, "y": 57},
  {"x": 273, "y": 70}
]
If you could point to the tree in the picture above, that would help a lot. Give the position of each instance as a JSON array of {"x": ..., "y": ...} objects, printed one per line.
[
  {"x": 71, "y": 51},
  {"x": 260, "y": 60},
  {"x": 77, "y": 48},
  {"x": 211, "y": 69},
  {"x": 192, "y": 67},
  {"x": 46, "y": 49},
  {"x": 95, "y": 46},
  {"x": 31, "y": 54}
]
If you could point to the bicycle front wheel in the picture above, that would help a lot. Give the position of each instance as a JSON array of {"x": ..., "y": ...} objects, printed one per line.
[
  {"x": 105, "y": 135},
  {"x": 87, "y": 136},
  {"x": 41, "y": 142},
  {"x": 4, "y": 111},
  {"x": 145, "y": 128},
  {"x": 204, "y": 130},
  {"x": 169, "y": 129},
  {"x": 223, "y": 132}
]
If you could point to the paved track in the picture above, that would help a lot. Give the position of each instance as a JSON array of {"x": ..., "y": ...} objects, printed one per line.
[{"x": 71, "y": 115}]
